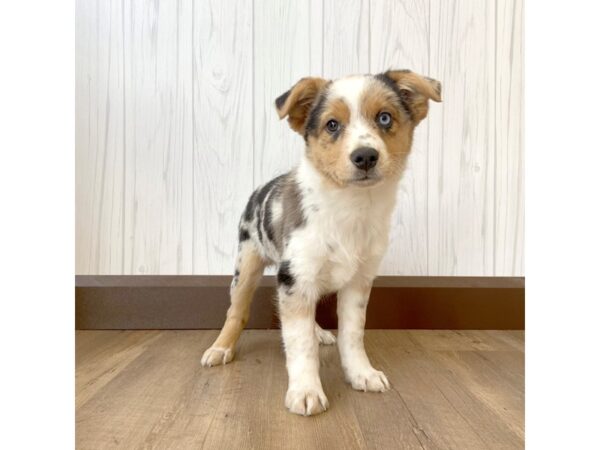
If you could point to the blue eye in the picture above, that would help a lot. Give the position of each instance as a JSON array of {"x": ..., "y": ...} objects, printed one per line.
[
  {"x": 332, "y": 126},
  {"x": 384, "y": 119}
]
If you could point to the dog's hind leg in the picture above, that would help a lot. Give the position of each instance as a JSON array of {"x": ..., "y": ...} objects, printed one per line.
[{"x": 248, "y": 272}]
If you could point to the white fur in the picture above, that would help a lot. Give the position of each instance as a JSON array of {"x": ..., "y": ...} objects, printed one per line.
[
  {"x": 216, "y": 355},
  {"x": 359, "y": 133},
  {"x": 345, "y": 228},
  {"x": 305, "y": 394},
  {"x": 276, "y": 210},
  {"x": 323, "y": 336},
  {"x": 352, "y": 307},
  {"x": 338, "y": 249}
]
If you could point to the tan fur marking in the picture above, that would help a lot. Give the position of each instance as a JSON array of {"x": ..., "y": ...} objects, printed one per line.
[
  {"x": 397, "y": 138},
  {"x": 328, "y": 157},
  {"x": 336, "y": 109},
  {"x": 421, "y": 90},
  {"x": 251, "y": 269},
  {"x": 379, "y": 98},
  {"x": 329, "y": 154},
  {"x": 298, "y": 103},
  {"x": 326, "y": 152}
]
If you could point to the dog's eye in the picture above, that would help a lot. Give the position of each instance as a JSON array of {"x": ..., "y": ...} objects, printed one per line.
[
  {"x": 333, "y": 126},
  {"x": 384, "y": 119}
]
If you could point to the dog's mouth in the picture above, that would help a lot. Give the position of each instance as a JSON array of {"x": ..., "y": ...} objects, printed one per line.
[{"x": 366, "y": 179}]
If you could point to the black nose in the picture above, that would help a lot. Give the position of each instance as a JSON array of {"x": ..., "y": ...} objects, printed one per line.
[{"x": 364, "y": 158}]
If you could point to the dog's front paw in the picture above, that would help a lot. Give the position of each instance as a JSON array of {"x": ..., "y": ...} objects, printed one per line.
[
  {"x": 325, "y": 337},
  {"x": 215, "y": 356},
  {"x": 306, "y": 402},
  {"x": 369, "y": 380}
]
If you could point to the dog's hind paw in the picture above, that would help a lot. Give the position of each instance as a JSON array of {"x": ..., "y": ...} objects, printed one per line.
[
  {"x": 325, "y": 337},
  {"x": 369, "y": 380},
  {"x": 216, "y": 356}
]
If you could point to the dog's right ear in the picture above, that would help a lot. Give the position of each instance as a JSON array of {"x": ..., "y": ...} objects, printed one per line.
[{"x": 298, "y": 101}]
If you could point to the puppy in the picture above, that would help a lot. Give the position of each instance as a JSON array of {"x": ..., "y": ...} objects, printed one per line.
[{"x": 325, "y": 224}]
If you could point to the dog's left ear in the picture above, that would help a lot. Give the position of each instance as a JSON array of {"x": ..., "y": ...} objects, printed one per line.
[
  {"x": 416, "y": 91},
  {"x": 298, "y": 101}
]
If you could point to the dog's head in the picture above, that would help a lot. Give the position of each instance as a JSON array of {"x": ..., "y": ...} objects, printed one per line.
[{"x": 358, "y": 130}]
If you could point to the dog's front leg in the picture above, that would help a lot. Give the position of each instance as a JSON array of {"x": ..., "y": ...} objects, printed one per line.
[
  {"x": 305, "y": 394},
  {"x": 352, "y": 310}
]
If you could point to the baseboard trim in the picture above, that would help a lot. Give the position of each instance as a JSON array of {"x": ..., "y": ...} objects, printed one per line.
[{"x": 200, "y": 302}]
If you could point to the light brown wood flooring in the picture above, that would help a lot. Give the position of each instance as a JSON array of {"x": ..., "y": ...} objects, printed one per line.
[{"x": 450, "y": 390}]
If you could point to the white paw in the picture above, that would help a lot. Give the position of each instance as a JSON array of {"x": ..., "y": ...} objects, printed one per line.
[
  {"x": 325, "y": 337},
  {"x": 369, "y": 380},
  {"x": 215, "y": 356},
  {"x": 306, "y": 402}
]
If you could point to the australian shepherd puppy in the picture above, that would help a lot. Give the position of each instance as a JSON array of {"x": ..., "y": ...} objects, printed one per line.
[{"x": 325, "y": 224}]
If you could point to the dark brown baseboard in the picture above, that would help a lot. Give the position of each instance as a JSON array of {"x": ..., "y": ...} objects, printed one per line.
[{"x": 200, "y": 302}]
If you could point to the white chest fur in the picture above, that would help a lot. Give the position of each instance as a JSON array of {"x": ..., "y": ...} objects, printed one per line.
[{"x": 346, "y": 232}]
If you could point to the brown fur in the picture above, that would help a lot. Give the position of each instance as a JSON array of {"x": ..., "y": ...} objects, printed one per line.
[
  {"x": 251, "y": 269},
  {"x": 336, "y": 109},
  {"x": 327, "y": 157},
  {"x": 324, "y": 150},
  {"x": 417, "y": 91},
  {"x": 397, "y": 138},
  {"x": 327, "y": 152},
  {"x": 299, "y": 101}
]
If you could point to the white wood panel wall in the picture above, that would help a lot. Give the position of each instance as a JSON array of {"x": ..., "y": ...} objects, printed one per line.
[
  {"x": 176, "y": 125},
  {"x": 158, "y": 137},
  {"x": 461, "y": 139}
]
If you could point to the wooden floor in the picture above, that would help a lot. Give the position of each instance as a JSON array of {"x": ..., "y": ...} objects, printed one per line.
[{"x": 450, "y": 389}]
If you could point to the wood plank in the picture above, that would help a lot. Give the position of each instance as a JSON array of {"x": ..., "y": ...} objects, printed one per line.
[
  {"x": 222, "y": 116},
  {"x": 445, "y": 340},
  {"x": 373, "y": 411},
  {"x": 90, "y": 343},
  {"x": 509, "y": 202},
  {"x": 399, "y": 39},
  {"x": 492, "y": 388},
  {"x": 315, "y": 41},
  {"x": 113, "y": 353},
  {"x": 245, "y": 421},
  {"x": 158, "y": 137},
  {"x": 161, "y": 398},
  {"x": 99, "y": 131},
  {"x": 261, "y": 421},
  {"x": 461, "y": 139},
  {"x": 345, "y": 38},
  {"x": 281, "y": 58},
  {"x": 414, "y": 384},
  {"x": 150, "y": 394},
  {"x": 515, "y": 338},
  {"x": 425, "y": 380},
  {"x": 153, "y": 196},
  {"x": 486, "y": 418}
]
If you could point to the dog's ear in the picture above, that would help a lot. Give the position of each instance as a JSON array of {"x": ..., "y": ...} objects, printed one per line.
[
  {"x": 415, "y": 91},
  {"x": 298, "y": 101}
]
